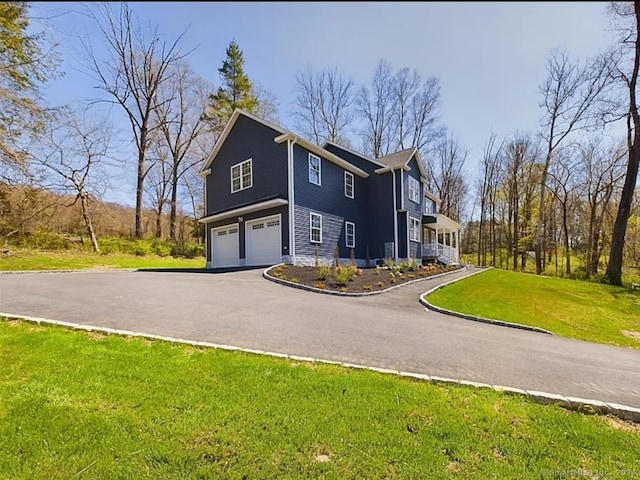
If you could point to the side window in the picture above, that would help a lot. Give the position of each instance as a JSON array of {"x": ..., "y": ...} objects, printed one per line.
[
  {"x": 315, "y": 228},
  {"x": 314, "y": 169},
  {"x": 348, "y": 184}
]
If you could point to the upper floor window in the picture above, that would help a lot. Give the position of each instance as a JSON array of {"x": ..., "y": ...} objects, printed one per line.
[
  {"x": 348, "y": 184},
  {"x": 429, "y": 206},
  {"x": 414, "y": 229},
  {"x": 315, "y": 228},
  {"x": 314, "y": 169},
  {"x": 241, "y": 176},
  {"x": 350, "y": 234},
  {"x": 414, "y": 190}
]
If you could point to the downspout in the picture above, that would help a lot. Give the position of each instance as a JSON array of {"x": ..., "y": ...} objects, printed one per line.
[
  {"x": 395, "y": 218},
  {"x": 292, "y": 223}
]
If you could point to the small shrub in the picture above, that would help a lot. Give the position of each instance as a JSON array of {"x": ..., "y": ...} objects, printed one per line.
[
  {"x": 343, "y": 274},
  {"x": 319, "y": 285},
  {"x": 295, "y": 280},
  {"x": 141, "y": 248},
  {"x": 393, "y": 280},
  {"x": 323, "y": 271},
  {"x": 378, "y": 270},
  {"x": 389, "y": 263},
  {"x": 344, "y": 289},
  {"x": 380, "y": 284},
  {"x": 366, "y": 287},
  {"x": 411, "y": 275}
]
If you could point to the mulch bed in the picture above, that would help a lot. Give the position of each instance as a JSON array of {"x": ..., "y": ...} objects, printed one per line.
[{"x": 366, "y": 279}]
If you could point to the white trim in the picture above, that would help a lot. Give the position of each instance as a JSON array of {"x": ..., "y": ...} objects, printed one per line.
[
  {"x": 408, "y": 235},
  {"x": 417, "y": 228},
  {"x": 204, "y": 173},
  {"x": 346, "y": 234},
  {"x": 315, "y": 157},
  {"x": 276, "y": 202},
  {"x": 353, "y": 184},
  {"x": 240, "y": 166},
  {"x": 248, "y": 223},
  {"x": 327, "y": 155},
  {"x": 292, "y": 223},
  {"x": 402, "y": 189},
  {"x": 386, "y": 169},
  {"x": 311, "y": 214},
  {"x": 227, "y": 129},
  {"x": 353, "y": 152},
  {"x": 395, "y": 218}
]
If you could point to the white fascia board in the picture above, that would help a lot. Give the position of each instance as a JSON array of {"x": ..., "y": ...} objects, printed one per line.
[
  {"x": 353, "y": 152},
  {"x": 256, "y": 207},
  {"x": 322, "y": 153}
]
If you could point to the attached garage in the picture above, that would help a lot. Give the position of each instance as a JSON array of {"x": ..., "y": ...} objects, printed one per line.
[
  {"x": 225, "y": 247},
  {"x": 264, "y": 241}
]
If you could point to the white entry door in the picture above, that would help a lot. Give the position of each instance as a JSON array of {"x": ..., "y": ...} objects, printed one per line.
[
  {"x": 225, "y": 247},
  {"x": 264, "y": 241}
]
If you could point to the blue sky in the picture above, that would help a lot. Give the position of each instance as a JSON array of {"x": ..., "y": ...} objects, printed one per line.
[{"x": 489, "y": 56}]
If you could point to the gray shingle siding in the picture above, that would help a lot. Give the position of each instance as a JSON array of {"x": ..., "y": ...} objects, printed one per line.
[
  {"x": 247, "y": 139},
  {"x": 328, "y": 199}
]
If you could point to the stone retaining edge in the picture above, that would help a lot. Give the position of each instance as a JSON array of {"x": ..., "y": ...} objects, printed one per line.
[{"x": 582, "y": 405}]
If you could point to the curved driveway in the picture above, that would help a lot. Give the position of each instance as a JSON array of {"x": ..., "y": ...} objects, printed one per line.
[{"x": 391, "y": 330}]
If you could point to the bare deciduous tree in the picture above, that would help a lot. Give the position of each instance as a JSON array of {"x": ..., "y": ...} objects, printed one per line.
[
  {"x": 75, "y": 151},
  {"x": 323, "y": 105},
  {"x": 569, "y": 93},
  {"x": 137, "y": 67},
  {"x": 447, "y": 179},
  {"x": 630, "y": 44}
]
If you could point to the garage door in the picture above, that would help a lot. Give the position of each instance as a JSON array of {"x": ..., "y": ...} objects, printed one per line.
[
  {"x": 264, "y": 241},
  {"x": 225, "y": 246}
]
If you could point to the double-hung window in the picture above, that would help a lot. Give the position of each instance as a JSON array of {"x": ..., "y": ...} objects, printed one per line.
[
  {"x": 350, "y": 234},
  {"x": 315, "y": 228},
  {"x": 414, "y": 229},
  {"x": 314, "y": 169},
  {"x": 348, "y": 184},
  {"x": 241, "y": 176},
  {"x": 414, "y": 190}
]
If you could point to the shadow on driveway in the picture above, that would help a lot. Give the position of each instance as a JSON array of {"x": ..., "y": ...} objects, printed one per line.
[{"x": 201, "y": 270}]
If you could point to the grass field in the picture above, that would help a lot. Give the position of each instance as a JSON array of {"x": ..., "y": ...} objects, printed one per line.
[
  {"x": 571, "y": 308},
  {"x": 85, "y": 405},
  {"x": 70, "y": 260}
]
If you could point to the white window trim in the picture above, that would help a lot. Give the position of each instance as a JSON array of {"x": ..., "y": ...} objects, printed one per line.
[
  {"x": 346, "y": 234},
  {"x": 311, "y": 228},
  {"x": 416, "y": 222},
  {"x": 414, "y": 188},
  {"x": 311, "y": 155},
  {"x": 239, "y": 165},
  {"x": 353, "y": 186}
]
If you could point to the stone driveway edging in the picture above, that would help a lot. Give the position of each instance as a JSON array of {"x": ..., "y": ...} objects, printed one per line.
[
  {"x": 74, "y": 270},
  {"x": 347, "y": 294},
  {"x": 581, "y": 405},
  {"x": 430, "y": 306}
]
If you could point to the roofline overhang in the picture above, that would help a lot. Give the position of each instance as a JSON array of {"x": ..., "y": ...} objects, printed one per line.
[
  {"x": 322, "y": 152},
  {"x": 256, "y": 207}
]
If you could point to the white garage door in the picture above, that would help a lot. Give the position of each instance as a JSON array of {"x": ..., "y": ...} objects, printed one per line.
[
  {"x": 264, "y": 241},
  {"x": 225, "y": 246}
]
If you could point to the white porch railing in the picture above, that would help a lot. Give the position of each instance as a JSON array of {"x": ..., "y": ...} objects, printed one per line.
[{"x": 437, "y": 249}]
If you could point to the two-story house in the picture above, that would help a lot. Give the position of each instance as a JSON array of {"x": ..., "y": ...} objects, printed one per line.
[{"x": 271, "y": 197}]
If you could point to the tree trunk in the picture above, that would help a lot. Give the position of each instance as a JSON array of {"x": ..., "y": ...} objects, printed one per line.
[
  {"x": 174, "y": 203},
  {"x": 614, "y": 269},
  {"x": 159, "y": 224},
  {"x": 140, "y": 195},
  {"x": 87, "y": 221},
  {"x": 565, "y": 228}
]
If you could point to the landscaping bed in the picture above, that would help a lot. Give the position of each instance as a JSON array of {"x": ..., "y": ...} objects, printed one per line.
[{"x": 350, "y": 279}]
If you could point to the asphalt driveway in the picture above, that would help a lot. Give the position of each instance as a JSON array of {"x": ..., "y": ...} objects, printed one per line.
[{"x": 391, "y": 330}]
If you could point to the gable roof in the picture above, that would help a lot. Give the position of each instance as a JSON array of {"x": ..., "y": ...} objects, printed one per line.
[
  {"x": 352, "y": 152},
  {"x": 284, "y": 135},
  {"x": 400, "y": 161},
  {"x": 227, "y": 129}
]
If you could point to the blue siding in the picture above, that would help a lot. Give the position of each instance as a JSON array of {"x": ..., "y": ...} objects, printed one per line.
[
  {"x": 329, "y": 200},
  {"x": 247, "y": 139},
  {"x": 414, "y": 209},
  {"x": 377, "y": 199}
]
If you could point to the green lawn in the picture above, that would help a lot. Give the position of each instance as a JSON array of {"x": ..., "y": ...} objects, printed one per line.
[
  {"x": 570, "y": 308},
  {"x": 40, "y": 260},
  {"x": 85, "y": 405}
]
